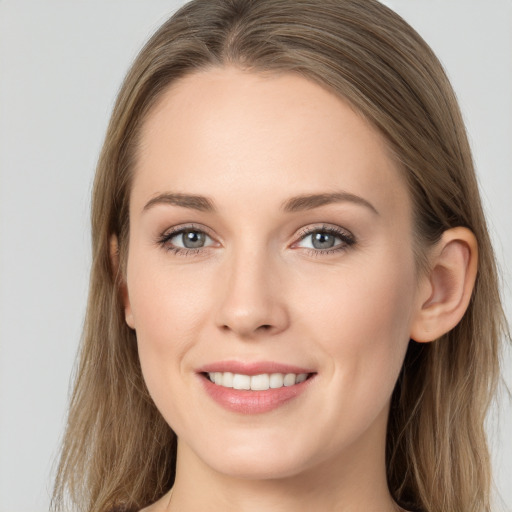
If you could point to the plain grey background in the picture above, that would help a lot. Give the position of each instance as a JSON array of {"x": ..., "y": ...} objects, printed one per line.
[{"x": 61, "y": 64}]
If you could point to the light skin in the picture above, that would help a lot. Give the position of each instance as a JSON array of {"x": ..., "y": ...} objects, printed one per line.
[{"x": 263, "y": 288}]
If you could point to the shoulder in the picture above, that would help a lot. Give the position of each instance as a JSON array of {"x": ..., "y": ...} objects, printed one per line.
[{"x": 158, "y": 506}]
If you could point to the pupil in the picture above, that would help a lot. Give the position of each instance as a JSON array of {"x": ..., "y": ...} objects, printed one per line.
[
  {"x": 193, "y": 239},
  {"x": 323, "y": 240}
]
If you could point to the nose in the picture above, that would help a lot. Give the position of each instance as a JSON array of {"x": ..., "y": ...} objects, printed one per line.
[{"x": 252, "y": 302}]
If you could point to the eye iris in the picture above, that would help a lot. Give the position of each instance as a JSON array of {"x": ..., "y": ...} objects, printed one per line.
[
  {"x": 322, "y": 240},
  {"x": 193, "y": 239}
]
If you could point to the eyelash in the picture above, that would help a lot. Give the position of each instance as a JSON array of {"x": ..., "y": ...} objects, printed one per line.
[
  {"x": 164, "y": 240},
  {"x": 347, "y": 240}
]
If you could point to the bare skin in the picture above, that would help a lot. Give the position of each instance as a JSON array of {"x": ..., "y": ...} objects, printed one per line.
[{"x": 333, "y": 287}]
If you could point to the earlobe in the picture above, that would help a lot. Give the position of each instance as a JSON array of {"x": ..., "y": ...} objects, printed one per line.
[
  {"x": 448, "y": 286},
  {"x": 117, "y": 273}
]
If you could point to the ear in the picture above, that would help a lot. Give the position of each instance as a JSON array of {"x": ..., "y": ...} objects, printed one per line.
[
  {"x": 445, "y": 292},
  {"x": 117, "y": 273}
]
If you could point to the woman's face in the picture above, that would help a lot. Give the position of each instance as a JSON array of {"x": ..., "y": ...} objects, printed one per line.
[{"x": 270, "y": 235}]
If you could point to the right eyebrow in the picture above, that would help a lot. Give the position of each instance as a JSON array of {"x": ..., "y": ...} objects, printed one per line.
[
  {"x": 195, "y": 202},
  {"x": 309, "y": 202}
]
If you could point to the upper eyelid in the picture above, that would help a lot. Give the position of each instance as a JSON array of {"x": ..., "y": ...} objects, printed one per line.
[
  {"x": 164, "y": 239},
  {"x": 174, "y": 230},
  {"x": 346, "y": 237},
  {"x": 299, "y": 234},
  {"x": 332, "y": 228},
  {"x": 302, "y": 231}
]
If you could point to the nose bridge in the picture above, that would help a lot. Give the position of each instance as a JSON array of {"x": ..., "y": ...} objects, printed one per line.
[{"x": 251, "y": 302}]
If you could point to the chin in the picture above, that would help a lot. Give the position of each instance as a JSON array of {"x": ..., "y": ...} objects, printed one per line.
[
  {"x": 262, "y": 468},
  {"x": 253, "y": 459}
]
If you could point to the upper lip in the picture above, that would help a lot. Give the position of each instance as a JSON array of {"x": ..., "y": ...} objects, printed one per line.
[{"x": 252, "y": 368}]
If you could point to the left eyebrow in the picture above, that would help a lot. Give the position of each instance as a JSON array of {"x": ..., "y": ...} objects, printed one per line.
[
  {"x": 308, "y": 202},
  {"x": 192, "y": 201}
]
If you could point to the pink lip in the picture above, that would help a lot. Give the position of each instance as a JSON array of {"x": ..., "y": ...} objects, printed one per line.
[
  {"x": 252, "y": 402},
  {"x": 255, "y": 368}
]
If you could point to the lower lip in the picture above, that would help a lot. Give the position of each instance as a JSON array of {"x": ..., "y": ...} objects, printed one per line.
[{"x": 253, "y": 402}]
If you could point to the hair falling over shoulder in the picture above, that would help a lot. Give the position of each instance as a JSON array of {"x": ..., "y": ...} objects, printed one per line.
[{"x": 118, "y": 451}]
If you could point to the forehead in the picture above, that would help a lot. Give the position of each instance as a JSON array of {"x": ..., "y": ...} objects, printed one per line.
[{"x": 226, "y": 132}]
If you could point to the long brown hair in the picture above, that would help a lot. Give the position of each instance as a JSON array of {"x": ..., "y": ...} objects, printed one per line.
[{"x": 118, "y": 450}]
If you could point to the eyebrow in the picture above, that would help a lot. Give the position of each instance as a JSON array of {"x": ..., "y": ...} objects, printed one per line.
[
  {"x": 194, "y": 202},
  {"x": 294, "y": 204},
  {"x": 308, "y": 202}
]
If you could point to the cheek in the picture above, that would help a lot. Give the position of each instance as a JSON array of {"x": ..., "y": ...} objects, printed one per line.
[
  {"x": 164, "y": 302},
  {"x": 361, "y": 318},
  {"x": 166, "y": 306}
]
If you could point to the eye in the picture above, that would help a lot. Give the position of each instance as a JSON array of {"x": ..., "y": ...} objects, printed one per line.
[
  {"x": 184, "y": 239},
  {"x": 325, "y": 239},
  {"x": 191, "y": 239}
]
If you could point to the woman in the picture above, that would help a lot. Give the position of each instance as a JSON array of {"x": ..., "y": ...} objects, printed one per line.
[{"x": 293, "y": 299}]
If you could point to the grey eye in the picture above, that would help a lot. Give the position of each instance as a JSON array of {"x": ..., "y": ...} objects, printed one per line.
[
  {"x": 191, "y": 239},
  {"x": 323, "y": 240}
]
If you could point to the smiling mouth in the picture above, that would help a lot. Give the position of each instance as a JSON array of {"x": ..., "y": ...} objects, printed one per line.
[{"x": 261, "y": 382}]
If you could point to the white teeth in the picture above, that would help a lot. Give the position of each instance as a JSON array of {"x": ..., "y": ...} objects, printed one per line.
[
  {"x": 227, "y": 380},
  {"x": 241, "y": 381},
  {"x": 260, "y": 382},
  {"x": 289, "y": 379},
  {"x": 276, "y": 380},
  {"x": 301, "y": 378}
]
